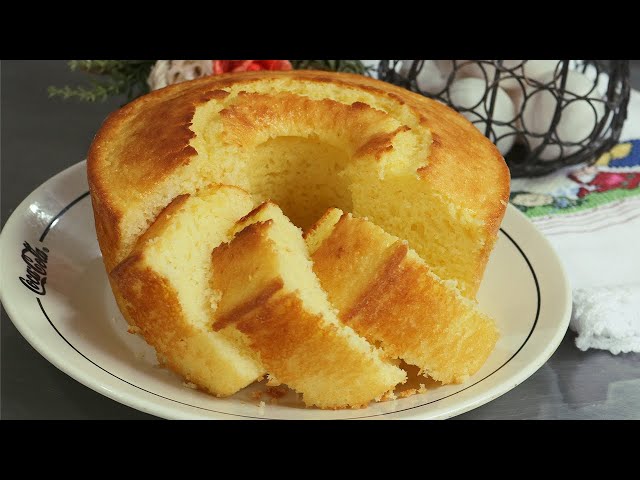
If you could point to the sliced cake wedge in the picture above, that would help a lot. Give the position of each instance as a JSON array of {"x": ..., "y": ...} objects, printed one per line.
[
  {"x": 163, "y": 289},
  {"x": 388, "y": 294},
  {"x": 269, "y": 299}
]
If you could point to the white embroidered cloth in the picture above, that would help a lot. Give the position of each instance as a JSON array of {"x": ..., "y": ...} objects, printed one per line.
[{"x": 591, "y": 215}]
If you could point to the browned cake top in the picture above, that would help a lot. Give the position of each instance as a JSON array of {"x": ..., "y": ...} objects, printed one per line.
[{"x": 146, "y": 142}]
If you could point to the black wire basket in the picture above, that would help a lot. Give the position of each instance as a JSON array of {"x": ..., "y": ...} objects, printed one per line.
[{"x": 542, "y": 114}]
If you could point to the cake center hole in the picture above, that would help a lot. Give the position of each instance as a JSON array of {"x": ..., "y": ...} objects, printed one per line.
[{"x": 301, "y": 175}]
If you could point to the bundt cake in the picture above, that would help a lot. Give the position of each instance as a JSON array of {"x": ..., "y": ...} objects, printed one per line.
[
  {"x": 387, "y": 293},
  {"x": 267, "y": 292},
  {"x": 172, "y": 173}
]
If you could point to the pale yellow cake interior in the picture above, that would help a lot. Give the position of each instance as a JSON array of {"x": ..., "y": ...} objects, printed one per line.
[
  {"x": 181, "y": 253},
  {"x": 293, "y": 263},
  {"x": 177, "y": 248}
]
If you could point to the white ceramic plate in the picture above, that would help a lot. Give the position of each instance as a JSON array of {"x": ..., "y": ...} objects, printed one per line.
[{"x": 66, "y": 311}]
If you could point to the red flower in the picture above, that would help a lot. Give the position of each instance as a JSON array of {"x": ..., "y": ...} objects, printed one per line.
[{"x": 225, "y": 66}]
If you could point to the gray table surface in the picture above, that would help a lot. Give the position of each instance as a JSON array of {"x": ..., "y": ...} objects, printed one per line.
[{"x": 40, "y": 137}]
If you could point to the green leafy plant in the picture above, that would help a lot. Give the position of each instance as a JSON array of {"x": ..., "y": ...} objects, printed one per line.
[{"x": 107, "y": 78}]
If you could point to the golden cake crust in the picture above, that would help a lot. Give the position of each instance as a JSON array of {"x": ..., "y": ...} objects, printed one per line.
[
  {"x": 146, "y": 141},
  {"x": 393, "y": 299}
]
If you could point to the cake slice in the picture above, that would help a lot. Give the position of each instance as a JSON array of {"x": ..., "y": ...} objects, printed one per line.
[
  {"x": 164, "y": 290},
  {"x": 387, "y": 293},
  {"x": 269, "y": 299}
]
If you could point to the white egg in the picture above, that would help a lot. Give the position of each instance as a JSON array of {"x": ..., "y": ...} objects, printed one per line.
[
  {"x": 471, "y": 93},
  {"x": 578, "y": 117},
  {"x": 445, "y": 67},
  {"x": 533, "y": 69},
  {"x": 429, "y": 79},
  {"x": 373, "y": 65},
  {"x": 536, "y": 69}
]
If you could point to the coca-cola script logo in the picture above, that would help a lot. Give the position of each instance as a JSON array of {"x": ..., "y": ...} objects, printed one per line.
[{"x": 36, "y": 275}]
